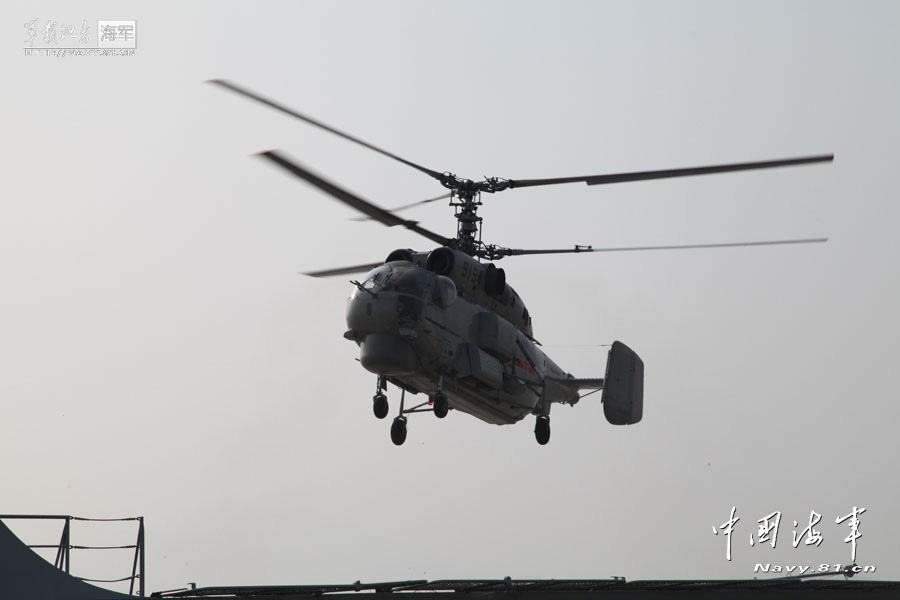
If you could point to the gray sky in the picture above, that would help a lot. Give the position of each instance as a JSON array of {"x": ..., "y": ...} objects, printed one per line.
[{"x": 160, "y": 356}]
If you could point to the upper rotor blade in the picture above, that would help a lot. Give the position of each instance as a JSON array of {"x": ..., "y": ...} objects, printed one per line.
[
  {"x": 319, "y": 124},
  {"x": 576, "y": 249},
  {"x": 344, "y": 270},
  {"x": 642, "y": 175},
  {"x": 405, "y": 206},
  {"x": 367, "y": 208}
]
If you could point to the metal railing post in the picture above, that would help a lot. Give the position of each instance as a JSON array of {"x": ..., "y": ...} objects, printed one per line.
[
  {"x": 141, "y": 544},
  {"x": 66, "y": 542},
  {"x": 137, "y": 569}
]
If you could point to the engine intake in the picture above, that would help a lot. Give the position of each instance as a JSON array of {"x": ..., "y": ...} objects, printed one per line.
[{"x": 441, "y": 261}]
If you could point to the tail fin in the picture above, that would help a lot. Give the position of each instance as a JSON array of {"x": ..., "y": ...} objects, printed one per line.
[{"x": 623, "y": 390}]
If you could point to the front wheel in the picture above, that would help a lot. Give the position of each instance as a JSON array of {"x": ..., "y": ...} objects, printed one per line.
[{"x": 380, "y": 406}]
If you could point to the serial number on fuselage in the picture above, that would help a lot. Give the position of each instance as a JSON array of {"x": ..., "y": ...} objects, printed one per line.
[{"x": 471, "y": 274}]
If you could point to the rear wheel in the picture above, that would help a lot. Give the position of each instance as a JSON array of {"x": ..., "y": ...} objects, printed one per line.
[
  {"x": 398, "y": 431},
  {"x": 542, "y": 430},
  {"x": 441, "y": 406}
]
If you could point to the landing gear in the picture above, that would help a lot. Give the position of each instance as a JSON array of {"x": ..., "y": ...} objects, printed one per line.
[
  {"x": 441, "y": 406},
  {"x": 398, "y": 431},
  {"x": 398, "y": 427},
  {"x": 380, "y": 405},
  {"x": 542, "y": 429},
  {"x": 379, "y": 400},
  {"x": 438, "y": 404}
]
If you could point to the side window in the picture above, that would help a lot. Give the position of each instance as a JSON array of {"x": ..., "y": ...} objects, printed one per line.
[
  {"x": 414, "y": 281},
  {"x": 444, "y": 291}
]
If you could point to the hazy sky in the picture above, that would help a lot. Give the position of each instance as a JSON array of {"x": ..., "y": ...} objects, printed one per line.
[{"x": 160, "y": 356}]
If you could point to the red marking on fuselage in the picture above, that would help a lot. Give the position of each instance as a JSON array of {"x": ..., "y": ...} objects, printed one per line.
[{"x": 523, "y": 364}]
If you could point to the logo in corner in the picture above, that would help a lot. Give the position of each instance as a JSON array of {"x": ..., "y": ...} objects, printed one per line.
[{"x": 117, "y": 34}]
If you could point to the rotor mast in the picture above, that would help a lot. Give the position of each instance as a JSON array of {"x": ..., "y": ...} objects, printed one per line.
[
  {"x": 468, "y": 237},
  {"x": 465, "y": 198}
]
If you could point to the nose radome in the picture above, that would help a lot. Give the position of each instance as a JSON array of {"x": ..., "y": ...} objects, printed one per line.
[
  {"x": 367, "y": 314},
  {"x": 386, "y": 354}
]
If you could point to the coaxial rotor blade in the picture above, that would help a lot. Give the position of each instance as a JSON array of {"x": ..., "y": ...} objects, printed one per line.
[
  {"x": 642, "y": 175},
  {"x": 344, "y": 270},
  {"x": 367, "y": 208},
  {"x": 253, "y": 96},
  {"x": 501, "y": 252},
  {"x": 406, "y": 206}
]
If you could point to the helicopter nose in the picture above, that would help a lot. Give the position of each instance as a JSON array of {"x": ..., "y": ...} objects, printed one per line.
[
  {"x": 374, "y": 325},
  {"x": 372, "y": 314},
  {"x": 386, "y": 354}
]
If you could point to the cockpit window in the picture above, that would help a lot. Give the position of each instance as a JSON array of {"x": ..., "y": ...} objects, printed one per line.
[
  {"x": 403, "y": 279},
  {"x": 376, "y": 279}
]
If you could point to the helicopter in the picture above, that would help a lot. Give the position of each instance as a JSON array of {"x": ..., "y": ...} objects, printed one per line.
[{"x": 445, "y": 323}]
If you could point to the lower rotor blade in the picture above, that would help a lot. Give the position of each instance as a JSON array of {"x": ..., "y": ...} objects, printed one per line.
[
  {"x": 367, "y": 208},
  {"x": 664, "y": 174},
  {"x": 577, "y": 249},
  {"x": 344, "y": 270}
]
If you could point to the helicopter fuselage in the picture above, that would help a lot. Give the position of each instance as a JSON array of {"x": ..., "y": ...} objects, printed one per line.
[{"x": 426, "y": 333}]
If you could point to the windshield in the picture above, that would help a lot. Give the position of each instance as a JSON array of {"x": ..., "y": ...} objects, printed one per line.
[
  {"x": 376, "y": 278},
  {"x": 401, "y": 278}
]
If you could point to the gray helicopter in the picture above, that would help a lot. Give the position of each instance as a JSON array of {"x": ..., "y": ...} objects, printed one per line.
[{"x": 447, "y": 325}]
